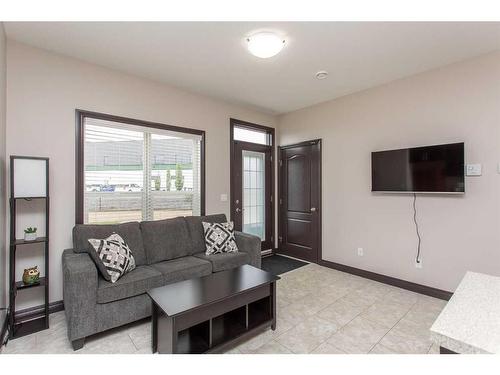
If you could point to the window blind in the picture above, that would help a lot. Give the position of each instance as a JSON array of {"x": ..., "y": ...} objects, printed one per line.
[{"x": 135, "y": 173}]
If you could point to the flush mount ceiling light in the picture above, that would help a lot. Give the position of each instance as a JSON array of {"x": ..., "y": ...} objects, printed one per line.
[
  {"x": 322, "y": 74},
  {"x": 265, "y": 44}
]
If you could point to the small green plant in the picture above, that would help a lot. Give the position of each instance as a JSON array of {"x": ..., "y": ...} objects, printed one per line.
[
  {"x": 30, "y": 230},
  {"x": 157, "y": 183},
  {"x": 179, "y": 178},
  {"x": 169, "y": 180}
]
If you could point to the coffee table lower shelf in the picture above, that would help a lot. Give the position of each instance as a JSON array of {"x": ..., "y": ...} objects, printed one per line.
[
  {"x": 188, "y": 345},
  {"x": 215, "y": 327}
]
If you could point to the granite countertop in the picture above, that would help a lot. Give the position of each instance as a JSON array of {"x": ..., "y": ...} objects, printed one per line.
[{"x": 470, "y": 322}]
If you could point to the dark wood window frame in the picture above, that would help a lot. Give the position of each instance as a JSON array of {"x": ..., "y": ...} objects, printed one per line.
[
  {"x": 270, "y": 132},
  {"x": 79, "y": 167}
]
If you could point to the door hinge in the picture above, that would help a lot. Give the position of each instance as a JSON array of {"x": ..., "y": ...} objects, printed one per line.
[
  {"x": 272, "y": 239},
  {"x": 280, "y": 239},
  {"x": 281, "y": 163},
  {"x": 271, "y": 158},
  {"x": 281, "y": 201},
  {"x": 271, "y": 199}
]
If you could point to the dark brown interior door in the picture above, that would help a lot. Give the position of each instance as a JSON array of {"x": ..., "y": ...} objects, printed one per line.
[
  {"x": 300, "y": 200},
  {"x": 251, "y": 198}
]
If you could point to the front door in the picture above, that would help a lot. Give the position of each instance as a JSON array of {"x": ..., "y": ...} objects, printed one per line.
[
  {"x": 300, "y": 200},
  {"x": 252, "y": 189}
]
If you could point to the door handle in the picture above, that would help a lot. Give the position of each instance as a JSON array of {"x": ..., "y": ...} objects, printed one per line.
[
  {"x": 313, "y": 209},
  {"x": 238, "y": 209}
]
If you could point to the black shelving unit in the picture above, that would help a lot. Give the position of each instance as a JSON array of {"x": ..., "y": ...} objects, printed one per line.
[
  {"x": 20, "y": 327},
  {"x": 211, "y": 334}
]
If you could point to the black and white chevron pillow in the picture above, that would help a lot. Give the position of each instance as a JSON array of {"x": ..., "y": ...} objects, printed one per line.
[
  {"x": 219, "y": 238},
  {"x": 115, "y": 256}
]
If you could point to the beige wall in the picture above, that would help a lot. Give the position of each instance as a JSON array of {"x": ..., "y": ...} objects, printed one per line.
[
  {"x": 43, "y": 91},
  {"x": 460, "y": 102},
  {"x": 3, "y": 263},
  {"x": 456, "y": 103}
]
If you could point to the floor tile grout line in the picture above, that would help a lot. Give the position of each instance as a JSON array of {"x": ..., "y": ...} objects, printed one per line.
[
  {"x": 298, "y": 325},
  {"x": 287, "y": 347},
  {"x": 364, "y": 310},
  {"x": 430, "y": 348},
  {"x": 273, "y": 338},
  {"x": 316, "y": 347},
  {"x": 326, "y": 341},
  {"x": 133, "y": 343},
  {"x": 337, "y": 331},
  {"x": 370, "y": 352},
  {"x": 390, "y": 329}
]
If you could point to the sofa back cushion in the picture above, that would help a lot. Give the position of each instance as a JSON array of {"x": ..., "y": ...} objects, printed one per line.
[
  {"x": 196, "y": 231},
  {"x": 165, "y": 239},
  {"x": 130, "y": 232}
]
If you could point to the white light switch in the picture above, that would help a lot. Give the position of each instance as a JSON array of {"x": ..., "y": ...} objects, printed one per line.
[
  {"x": 474, "y": 169},
  {"x": 223, "y": 197}
]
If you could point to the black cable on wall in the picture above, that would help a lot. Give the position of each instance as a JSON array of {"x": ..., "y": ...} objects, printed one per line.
[{"x": 417, "y": 258}]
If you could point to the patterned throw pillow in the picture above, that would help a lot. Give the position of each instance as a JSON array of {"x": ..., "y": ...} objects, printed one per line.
[
  {"x": 219, "y": 238},
  {"x": 114, "y": 255}
]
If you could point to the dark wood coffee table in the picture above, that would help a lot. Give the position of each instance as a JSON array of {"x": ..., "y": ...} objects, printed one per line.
[{"x": 213, "y": 313}]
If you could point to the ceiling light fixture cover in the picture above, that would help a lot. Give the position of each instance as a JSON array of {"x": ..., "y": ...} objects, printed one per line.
[
  {"x": 322, "y": 74},
  {"x": 265, "y": 44}
]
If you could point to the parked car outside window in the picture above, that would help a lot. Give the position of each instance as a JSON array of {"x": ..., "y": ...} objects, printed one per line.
[
  {"x": 128, "y": 188},
  {"x": 108, "y": 188}
]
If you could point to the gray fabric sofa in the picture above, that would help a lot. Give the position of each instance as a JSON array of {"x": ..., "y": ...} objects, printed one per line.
[{"x": 165, "y": 251}]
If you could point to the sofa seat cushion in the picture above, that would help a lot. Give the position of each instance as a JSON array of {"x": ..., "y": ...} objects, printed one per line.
[
  {"x": 136, "y": 282},
  {"x": 225, "y": 261},
  {"x": 183, "y": 268}
]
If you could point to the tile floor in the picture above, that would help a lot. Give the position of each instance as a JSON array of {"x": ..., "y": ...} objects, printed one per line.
[{"x": 320, "y": 310}]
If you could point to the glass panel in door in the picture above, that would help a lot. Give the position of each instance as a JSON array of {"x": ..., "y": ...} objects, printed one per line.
[{"x": 254, "y": 177}]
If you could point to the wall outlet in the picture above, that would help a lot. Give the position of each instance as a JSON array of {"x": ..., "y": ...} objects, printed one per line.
[
  {"x": 360, "y": 251},
  {"x": 419, "y": 264},
  {"x": 223, "y": 197}
]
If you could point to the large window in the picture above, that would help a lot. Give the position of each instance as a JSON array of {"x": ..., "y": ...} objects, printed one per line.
[{"x": 130, "y": 170}]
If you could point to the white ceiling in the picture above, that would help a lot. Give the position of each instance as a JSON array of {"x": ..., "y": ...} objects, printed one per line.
[{"x": 211, "y": 58}]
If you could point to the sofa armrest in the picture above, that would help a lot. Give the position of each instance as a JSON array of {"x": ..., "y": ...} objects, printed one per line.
[
  {"x": 80, "y": 293},
  {"x": 251, "y": 245}
]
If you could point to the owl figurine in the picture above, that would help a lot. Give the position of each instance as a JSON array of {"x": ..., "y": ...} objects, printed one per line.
[{"x": 31, "y": 275}]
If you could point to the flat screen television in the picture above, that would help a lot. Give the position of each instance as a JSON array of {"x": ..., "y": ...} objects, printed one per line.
[{"x": 430, "y": 169}]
